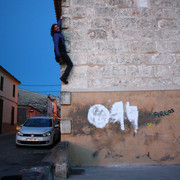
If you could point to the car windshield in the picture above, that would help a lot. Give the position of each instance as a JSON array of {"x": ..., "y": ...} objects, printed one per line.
[{"x": 38, "y": 123}]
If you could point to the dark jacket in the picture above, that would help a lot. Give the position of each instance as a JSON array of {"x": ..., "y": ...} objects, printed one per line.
[{"x": 59, "y": 42}]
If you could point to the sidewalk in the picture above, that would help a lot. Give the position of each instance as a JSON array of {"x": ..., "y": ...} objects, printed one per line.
[{"x": 165, "y": 172}]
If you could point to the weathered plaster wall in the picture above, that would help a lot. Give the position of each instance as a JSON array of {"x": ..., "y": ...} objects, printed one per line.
[
  {"x": 120, "y": 48},
  {"x": 122, "y": 44},
  {"x": 157, "y": 140}
]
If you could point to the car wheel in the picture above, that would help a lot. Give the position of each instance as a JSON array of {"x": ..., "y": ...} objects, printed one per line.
[{"x": 54, "y": 141}]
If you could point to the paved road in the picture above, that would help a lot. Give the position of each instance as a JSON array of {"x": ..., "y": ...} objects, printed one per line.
[
  {"x": 167, "y": 172},
  {"x": 13, "y": 159}
]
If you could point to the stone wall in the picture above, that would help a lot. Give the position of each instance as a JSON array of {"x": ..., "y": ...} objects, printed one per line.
[{"x": 122, "y": 44}]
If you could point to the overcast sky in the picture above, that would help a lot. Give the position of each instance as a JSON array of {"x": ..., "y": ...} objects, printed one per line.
[{"x": 26, "y": 47}]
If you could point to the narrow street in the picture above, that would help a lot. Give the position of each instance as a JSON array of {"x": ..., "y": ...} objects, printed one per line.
[{"x": 14, "y": 159}]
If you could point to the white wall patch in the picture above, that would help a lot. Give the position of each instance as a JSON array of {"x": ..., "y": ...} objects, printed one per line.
[
  {"x": 132, "y": 115},
  {"x": 99, "y": 116},
  {"x": 117, "y": 114}
]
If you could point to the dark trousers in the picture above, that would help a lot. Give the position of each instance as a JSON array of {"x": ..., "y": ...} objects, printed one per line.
[{"x": 69, "y": 63}]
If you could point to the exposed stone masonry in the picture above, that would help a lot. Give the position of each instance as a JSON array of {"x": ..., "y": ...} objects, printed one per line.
[{"x": 122, "y": 44}]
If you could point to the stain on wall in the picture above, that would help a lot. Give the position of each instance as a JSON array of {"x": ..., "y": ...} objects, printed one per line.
[
  {"x": 146, "y": 117},
  {"x": 80, "y": 124}
]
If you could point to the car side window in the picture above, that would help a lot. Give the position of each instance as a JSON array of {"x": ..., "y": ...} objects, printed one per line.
[{"x": 57, "y": 121}]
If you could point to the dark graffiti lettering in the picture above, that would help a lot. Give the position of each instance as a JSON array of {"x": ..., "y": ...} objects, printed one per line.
[
  {"x": 165, "y": 113},
  {"x": 162, "y": 114},
  {"x": 156, "y": 114}
]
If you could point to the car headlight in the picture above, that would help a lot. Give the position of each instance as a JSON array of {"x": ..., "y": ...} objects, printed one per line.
[
  {"x": 47, "y": 134},
  {"x": 20, "y": 133}
]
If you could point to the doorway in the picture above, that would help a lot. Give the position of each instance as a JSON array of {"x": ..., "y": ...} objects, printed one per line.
[
  {"x": 1, "y": 114},
  {"x": 12, "y": 116}
]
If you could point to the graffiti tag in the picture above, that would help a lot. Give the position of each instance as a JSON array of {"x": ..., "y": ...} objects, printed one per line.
[
  {"x": 178, "y": 121},
  {"x": 149, "y": 124},
  {"x": 163, "y": 113},
  {"x": 99, "y": 116}
]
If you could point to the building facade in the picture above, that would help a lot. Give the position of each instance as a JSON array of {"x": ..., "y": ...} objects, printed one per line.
[
  {"x": 35, "y": 104},
  {"x": 24, "y": 112},
  {"x": 123, "y": 94},
  {"x": 8, "y": 101}
]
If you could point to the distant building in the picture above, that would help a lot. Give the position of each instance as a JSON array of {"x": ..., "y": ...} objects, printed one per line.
[
  {"x": 35, "y": 104},
  {"x": 8, "y": 101},
  {"x": 24, "y": 112},
  {"x": 52, "y": 106}
]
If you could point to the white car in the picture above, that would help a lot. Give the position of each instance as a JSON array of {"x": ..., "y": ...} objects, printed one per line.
[{"x": 38, "y": 131}]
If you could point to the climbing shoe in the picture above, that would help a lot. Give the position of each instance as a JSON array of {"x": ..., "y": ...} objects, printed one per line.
[{"x": 64, "y": 80}]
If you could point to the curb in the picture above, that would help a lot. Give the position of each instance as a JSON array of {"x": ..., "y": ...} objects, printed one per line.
[
  {"x": 60, "y": 158},
  {"x": 43, "y": 171}
]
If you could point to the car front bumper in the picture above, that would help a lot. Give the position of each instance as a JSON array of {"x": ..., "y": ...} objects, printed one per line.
[{"x": 34, "y": 141}]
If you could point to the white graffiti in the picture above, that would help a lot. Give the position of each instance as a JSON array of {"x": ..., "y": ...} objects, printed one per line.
[
  {"x": 99, "y": 116},
  {"x": 117, "y": 114}
]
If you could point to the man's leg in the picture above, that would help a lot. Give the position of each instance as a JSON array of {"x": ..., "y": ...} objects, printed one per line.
[{"x": 69, "y": 63}]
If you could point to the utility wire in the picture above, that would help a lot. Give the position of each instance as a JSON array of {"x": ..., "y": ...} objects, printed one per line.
[
  {"x": 37, "y": 85},
  {"x": 46, "y": 91}
]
